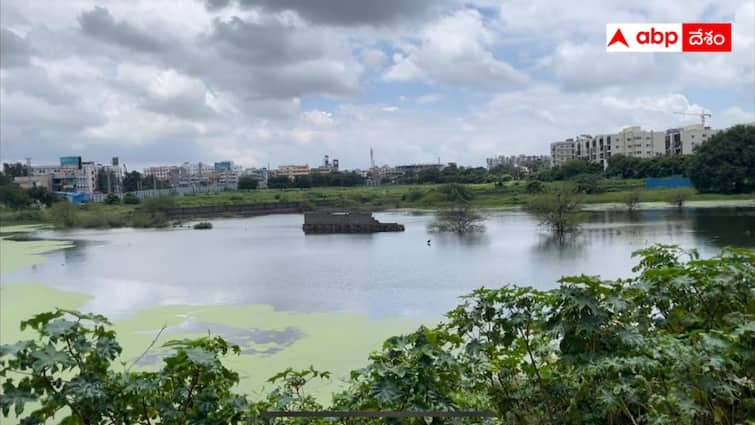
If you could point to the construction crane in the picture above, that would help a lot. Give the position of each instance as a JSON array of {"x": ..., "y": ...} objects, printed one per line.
[{"x": 702, "y": 114}]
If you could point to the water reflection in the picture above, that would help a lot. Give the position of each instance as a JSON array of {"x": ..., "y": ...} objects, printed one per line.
[{"x": 268, "y": 260}]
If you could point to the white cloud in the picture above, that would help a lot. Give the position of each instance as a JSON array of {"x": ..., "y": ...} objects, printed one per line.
[
  {"x": 264, "y": 86},
  {"x": 454, "y": 50}
]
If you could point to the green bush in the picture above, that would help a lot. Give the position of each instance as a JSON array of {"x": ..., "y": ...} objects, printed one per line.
[
  {"x": 588, "y": 183},
  {"x": 131, "y": 199},
  {"x": 13, "y": 196},
  {"x": 64, "y": 214},
  {"x": 202, "y": 225},
  {"x": 159, "y": 203},
  {"x": 632, "y": 200},
  {"x": 145, "y": 220},
  {"x": 534, "y": 186},
  {"x": 456, "y": 192},
  {"x": 678, "y": 197},
  {"x": 413, "y": 195},
  {"x": 112, "y": 199}
]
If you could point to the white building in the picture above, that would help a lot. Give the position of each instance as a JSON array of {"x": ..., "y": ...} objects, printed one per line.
[
  {"x": 631, "y": 141},
  {"x": 683, "y": 141},
  {"x": 562, "y": 151}
]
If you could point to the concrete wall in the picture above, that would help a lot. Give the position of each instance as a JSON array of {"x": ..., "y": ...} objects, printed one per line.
[{"x": 352, "y": 217}]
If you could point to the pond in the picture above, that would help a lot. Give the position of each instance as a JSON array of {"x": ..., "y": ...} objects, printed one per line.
[{"x": 268, "y": 260}]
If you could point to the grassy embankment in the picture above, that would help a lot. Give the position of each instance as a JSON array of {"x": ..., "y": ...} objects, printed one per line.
[{"x": 426, "y": 196}]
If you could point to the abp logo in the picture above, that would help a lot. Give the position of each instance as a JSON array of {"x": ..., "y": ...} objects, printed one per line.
[{"x": 669, "y": 37}]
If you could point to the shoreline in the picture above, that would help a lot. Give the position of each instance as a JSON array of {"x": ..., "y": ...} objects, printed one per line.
[{"x": 376, "y": 199}]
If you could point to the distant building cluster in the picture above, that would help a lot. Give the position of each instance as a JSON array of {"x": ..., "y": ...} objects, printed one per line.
[
  {"x": 74, "y": 175},
  {"x": 631, "y": 141}
]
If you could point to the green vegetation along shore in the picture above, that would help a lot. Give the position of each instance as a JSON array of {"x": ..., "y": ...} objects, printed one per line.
[{"x": 426, "y": 196}]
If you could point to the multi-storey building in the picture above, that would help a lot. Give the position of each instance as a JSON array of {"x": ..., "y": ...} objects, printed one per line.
[
  {"x": 630, "y": 141},
  {"x": 223, "y": 166},
  {"x": 167, "y": 173},
  {"x": 72, "y": 175},
  {"x": 261, "y": 174},
  {"x": 27, "y": 182},
  {"x": 291, "y": 171},
  {"x": 562, "y": 151},
  {"x": 683, "y": 141}
]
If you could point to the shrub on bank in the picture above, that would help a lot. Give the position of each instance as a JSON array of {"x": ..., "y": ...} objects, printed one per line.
[
  {"x": 678, "y": 197},
  {"x": 534, "y": 186},
  {"x": 112, "y": 199},
  {"x": 131, "y": 199}
]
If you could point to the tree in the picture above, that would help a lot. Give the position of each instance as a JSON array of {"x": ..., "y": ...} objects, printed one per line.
[
  {"x": 678, "y": 197},
  {"x": 16, "y": 169},
  {"x": 13, "y": 196},
  {"x": 131, "y": 199},
  {"x": 557, "y": 210},
  {"x": 588, "y": 183},
  {"x": 112, "y": 199},
  {"x": 458, "y": 220},
  {"x": 303, "y": 182},
  {"x": 623, "y": 166},
  {"x": 279, "y": 182},
  {"x": 132, "y": 181},
  {"x": 248, "y": 183},
  {"x": 726, "y": 162},
  {"x": 64, "y": 214},
  {"x": 575, "y": 167},
  {"x": 42, "y": 195},
  {"x": 632, "y": 200},
  {"x": 534, "y": 186},
  {"x": 151, "y": 182},
  {"x": 5, "y": 179}
]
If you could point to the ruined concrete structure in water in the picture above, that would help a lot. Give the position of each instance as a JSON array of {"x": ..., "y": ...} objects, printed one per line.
[{"x": 347, "y": 222}]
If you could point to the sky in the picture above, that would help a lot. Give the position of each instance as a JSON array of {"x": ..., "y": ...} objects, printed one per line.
[{"x": 278, "y": 82}]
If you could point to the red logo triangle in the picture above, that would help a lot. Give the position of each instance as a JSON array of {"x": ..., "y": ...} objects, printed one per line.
[{"x": 618, "y": 38}]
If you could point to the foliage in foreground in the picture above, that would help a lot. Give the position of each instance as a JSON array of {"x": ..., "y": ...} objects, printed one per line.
[{"x": 673, "y": 345}]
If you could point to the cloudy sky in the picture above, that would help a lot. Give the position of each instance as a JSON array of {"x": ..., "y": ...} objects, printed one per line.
[{"x": 287, "y": 81}]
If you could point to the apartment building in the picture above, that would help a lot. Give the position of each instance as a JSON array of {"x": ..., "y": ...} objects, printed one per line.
[
  {"x": 71, "y": 175},
  {"x": 291, "y": 171},
  {"x": 683, "y": 141},
  {"x": 562, "y": 151},
  {"x": 630, "y": 141},
  {"x": 167, "y": 173}
]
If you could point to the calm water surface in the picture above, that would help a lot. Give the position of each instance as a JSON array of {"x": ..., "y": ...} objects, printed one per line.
[{"x": 268, "y": 260}]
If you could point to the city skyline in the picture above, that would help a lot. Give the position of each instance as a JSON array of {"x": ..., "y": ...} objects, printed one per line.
[{"x": 283, "y": 83}]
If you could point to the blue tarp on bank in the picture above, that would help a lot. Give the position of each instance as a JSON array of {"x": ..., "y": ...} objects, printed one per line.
[
  {"x": 74, "y": 197},
  {"x": 667, "y": 182}
]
